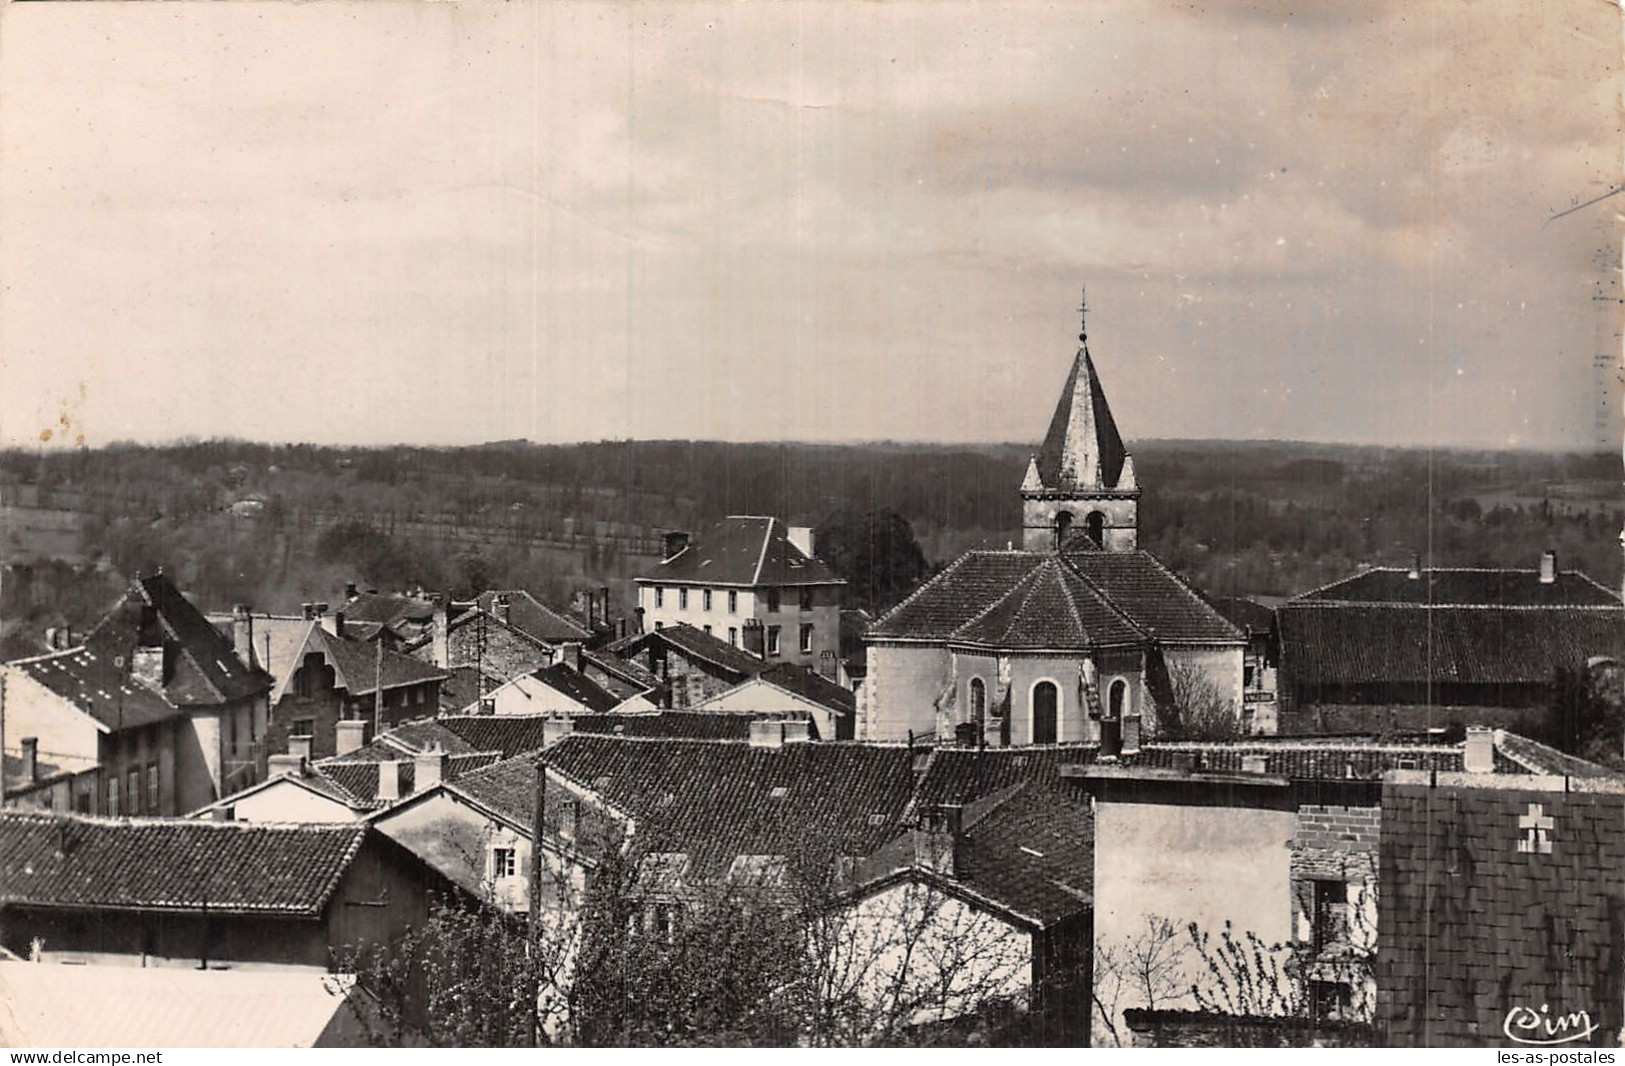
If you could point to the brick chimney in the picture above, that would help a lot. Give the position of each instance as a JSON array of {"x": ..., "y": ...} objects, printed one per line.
[
  {"x": 570, "y": 654},
  {"x": 440, "y": 625},
  {"x": 300, "y": 746},
  {"x": 242, "y": 633},
  {"x": 349, "y": 735},
  {"x": 501, "y": 607},
  {"x": 389, "y": 781},
  {"x": 1131, "y": 734},
  {"x": 285, "y": 764},
  {"x": 31, "y": 759},
  {"x": 1548, "y": 567},
  {"x": 675, "y": 541},
  {"x": 766, "y": 733},
  {"x": 1478, "y": 757},
  {"x": 936, "y": 838},
  {"x": 147, "y": 666},
  {"x": 430, "y": 768}
]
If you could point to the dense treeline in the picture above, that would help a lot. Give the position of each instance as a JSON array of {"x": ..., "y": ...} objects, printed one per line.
[{"x": 279, "y": 524}]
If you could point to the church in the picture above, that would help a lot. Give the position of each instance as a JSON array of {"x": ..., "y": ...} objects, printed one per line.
[{"x": 1078, "y": 637}]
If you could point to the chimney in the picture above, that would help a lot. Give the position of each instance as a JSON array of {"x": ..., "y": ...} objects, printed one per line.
[
  {"x": 1131, "y": 734},
  {"x": 330, "y": 622},
  {"x": 1478, "y": 757},
  {"x": 442, "y": 632},
  {"x": 754, "y": 638},
  {"x": 300, "y": 746},
  {"x": 52, "y": 638},
  {"x": 308, "y": 611},
  {"x": 555, "y": 730},
  {"x": 31, "y": 759},
  {"x": 1548, "y": 567},
  {"x": 797, "y": 730},
  {"x": 389, "y": 781},
  {"x": 603, "y": 592},
  {"x": 1415, "y": 572},
  {"x": 1254, "y": 764},
  {"x": 285, "y": 764},
  {"x": 501, "y": 607},
  {"x": 242, "y": 633},
  {"x": 936, "y": 838},
  {"x": 431, "y": 769},
  {"x": 637, "y": 612},
  {"x": 676, "y": 541},
  {"x": 592, "y": 611},
  {"x": 766, "y": 733},
  {"x": 350, "y": 591},
  {"x": 569, "y": 819},
  {"x": 350, "y": 735},
  {"x": 570, "y": 654},
  {"x": 802, "y": 538},
  {"x": 147, "y": 666}
]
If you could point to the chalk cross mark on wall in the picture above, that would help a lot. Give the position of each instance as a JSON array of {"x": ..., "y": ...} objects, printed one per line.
[{"x": 1536, "y": 826}]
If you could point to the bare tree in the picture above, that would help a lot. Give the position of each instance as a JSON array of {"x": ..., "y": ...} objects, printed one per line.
[
  {"x": 1146, "y": 971},
  {"x": 1194, "y": 708}
]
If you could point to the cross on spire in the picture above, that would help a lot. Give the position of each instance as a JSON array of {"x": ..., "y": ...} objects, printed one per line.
[{"x": 1083, "y": 316}]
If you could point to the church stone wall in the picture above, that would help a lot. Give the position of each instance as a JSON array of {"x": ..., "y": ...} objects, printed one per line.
[
  {"x": 900, "y": 691},
  {"x": 1038, "y": 520}
]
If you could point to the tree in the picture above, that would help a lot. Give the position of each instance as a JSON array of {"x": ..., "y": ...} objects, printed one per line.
[
  {"x": 1191, "y": 707},
  {"x": 876, "y": 553},
  {"x": 1146, "y": 971}
]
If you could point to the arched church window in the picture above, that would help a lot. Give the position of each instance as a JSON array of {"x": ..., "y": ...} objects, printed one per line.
[
  {"x": 1118, "y": 699},
  {"x": 1063, "y": 526},
  {"x": 1046, "y": 719},
  {"x": 1096, "y": 525}
]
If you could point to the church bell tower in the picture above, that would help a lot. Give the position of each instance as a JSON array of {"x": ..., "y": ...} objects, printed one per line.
[{"x": 1080, "y": 488}]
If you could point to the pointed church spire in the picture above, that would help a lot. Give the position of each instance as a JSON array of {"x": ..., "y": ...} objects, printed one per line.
[{"x": 1082, "y": 449}]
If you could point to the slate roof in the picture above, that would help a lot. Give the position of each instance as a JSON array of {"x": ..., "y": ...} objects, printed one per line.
[
  {"x": 88, "y": 679},
  {"x": 409, "y": 738},
  {"x": 742, "y": 550},
  {"x": 1462, "y": 586},
  {"x": 697, "y": 644},
  {"x": 629, "y": 672},
  {"x": 811, "y": 685},
  {"x": 534, "y": 618},
  {"x": 1020, "y": 599},
  {"x": 578, "y": 687},
  {"x": 387, "y": 609},
  {"x": 357, "y": 663},
  {"x": 1082, "y": 435},
  {"x": 1339, "y": 644},
  {"x": 714, "y": 801},
  {"x": 508, "y": 789},
  {"x": 172, "y": 864},
  {"x": 1247, "y": 615}
]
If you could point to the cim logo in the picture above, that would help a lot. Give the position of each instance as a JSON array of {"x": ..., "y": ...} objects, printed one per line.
[{"x": 1525, "y": 1025}]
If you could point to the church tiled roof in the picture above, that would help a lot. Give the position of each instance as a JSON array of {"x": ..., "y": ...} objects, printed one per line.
[{"x": 1042, "y": 600}]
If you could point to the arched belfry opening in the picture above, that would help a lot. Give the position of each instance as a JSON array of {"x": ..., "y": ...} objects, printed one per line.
[
  {"x": 1063, "y": 526},
  {"x": 1095, "y": 525}
]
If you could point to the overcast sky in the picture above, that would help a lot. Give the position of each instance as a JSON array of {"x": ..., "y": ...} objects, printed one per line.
[{"x": 435, "y": 222}]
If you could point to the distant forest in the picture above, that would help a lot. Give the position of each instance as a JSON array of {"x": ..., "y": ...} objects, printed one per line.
[{"x": 277, "y": 525}]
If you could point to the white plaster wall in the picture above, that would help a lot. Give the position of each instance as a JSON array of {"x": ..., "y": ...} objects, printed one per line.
[
  {"x": 32, "y": 710},
  {"x": 759, "y": 696},
  {"x": 283, "y": 801},
  {"x": 900, "y": 690}
]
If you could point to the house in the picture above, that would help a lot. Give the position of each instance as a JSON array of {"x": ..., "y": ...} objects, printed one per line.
[
  {"x": 693, "y": 666},
  {"x": 1261, "y": 665},
  {"x": 29, "y": 781},
  {"x": 524, "y": 612},
  {"x": 330, "y": 678},
  {"x": 561, "y": 689},
  {"x": 754, "y": 582},
  {"x": 187, "y": 892},
  {"x": 788, "y": 687},
  {"x": 1501, "y": 910},
  {"x": 480, "y": 648},
  {"x": 1067, "y": 639},
  {"x": 1431, "y": 647},
  {"x": 155, "y": 699},
  {"x": 479, "y": 831},
  {"x": 150, "y": 1007},
  {"x": 402, "y": 617}
]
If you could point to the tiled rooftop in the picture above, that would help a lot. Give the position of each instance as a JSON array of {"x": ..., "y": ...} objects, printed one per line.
[{"x": 741, "y": 550}]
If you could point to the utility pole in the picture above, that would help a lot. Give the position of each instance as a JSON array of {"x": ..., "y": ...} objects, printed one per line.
[
  {"x": 535, "y": 945},
  {"x": 378, "y": 681}
]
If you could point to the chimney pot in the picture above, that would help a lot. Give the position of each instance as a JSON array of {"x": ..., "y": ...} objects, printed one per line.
[
  {"x": 31, "y": 759},
  {"x": 1548, "y": 567},
  {"x": 440, "y": 624},
  {"x": 1478, "y": 757},
  {"x": 1415, "y": 573},
  {"x": 350, "y": 591}
]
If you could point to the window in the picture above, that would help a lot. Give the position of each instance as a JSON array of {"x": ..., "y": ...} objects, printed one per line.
[
  {"x": 132, "y": 789},
  {"x": 705, "y": 599},
  {"x": 302, "y": 727},
  {"x": 1096, "y": 524},
  {"x": 772, "y": 640},
  {"x": 81, "y": 803},
  {"x": 682, "y": 599},
  {"x": 1247, "y": 674},
  {"x": 660, "y": 625},
  {"x": 112, "y": 797},
  {"x": 503, "y": 863},
  {"x": 1331, "y": 913},
  {"x": 733, "y": 602},
  {"x": 664, "y": 919},
  {"x": 772, "y": 599},
  {"x": 707, "y": 628},
  {"x": 806, "y": 599},
  {"x": 660, "y": 596},
  {"x": 1046, "y": 723},
  {"x": 1063, "y": 525},
  {"x": 1330, "y": 1000},
  {"x": 1118, "y": 699},
  {"x": 733, "y": 635},
  {"x": 806, "y": 637},
  {"x": 152, "y": 788}
]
